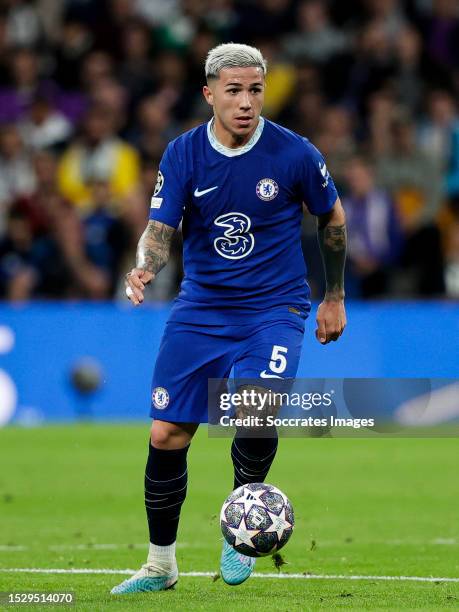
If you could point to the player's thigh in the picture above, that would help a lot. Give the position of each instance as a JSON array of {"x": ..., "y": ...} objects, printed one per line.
[
  {"x": 271, "y": 352},
  {"x": 188, "y": 356}
]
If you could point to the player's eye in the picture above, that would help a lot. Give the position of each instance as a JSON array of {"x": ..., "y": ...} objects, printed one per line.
[
  {"x": 256, "y": 90},
  {"x": 233, "y": 91}
]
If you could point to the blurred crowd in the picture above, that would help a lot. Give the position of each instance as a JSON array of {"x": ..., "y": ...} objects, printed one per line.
[{"x": 91, "y": 92}]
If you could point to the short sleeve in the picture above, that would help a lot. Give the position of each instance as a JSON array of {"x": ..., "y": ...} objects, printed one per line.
[
  {"x": 316, "y": 185},
  {"x": 169, "y": 197}
]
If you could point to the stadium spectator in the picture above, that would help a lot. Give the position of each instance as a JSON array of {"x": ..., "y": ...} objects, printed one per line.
[
  {"x": 135, "y": 70},
  {"x": 270, "y": 19},
  {"x": 305, "y": 113},
  {"x": 105, "y": 235},
  {"x": 74, "y": 42},
  {"x": 336, "y": 141},
  {"x": 44, "y": 126},
  {"x": 55, "y": 265},
  {"x": 51, "y": 16},
  {"x": 24, "y": 23},
  {"x": 24, "y": 83},
  {"x": 100, "y": 154},
  {"x": 222, "y": 17},
  {"x": 415, "y": 181},
  {"x": 440, "y": 30},
  {"x": 37, "y": 205},
  {"x": 315, "y": 39},
  {"x": 17, "y": 275},
  {"x": 154, "y": 127},
  {"x": 388, "y": 14},
  {"x": 280, "y": 80},
  {"x": 409, "y": 78},
  {"x": 157, "y": 12},
  {"x": 16, "y": 173},
  {"x": 373, "y": 64},
  {"x": 62, "y": 261},
  {"x": 435, "y": 130},
  {"x": 373, "y": 234},
  {"x": 171, "y": 84},
  {"x": 413, "y": 177},
  {"x": 96, "y": 66}
]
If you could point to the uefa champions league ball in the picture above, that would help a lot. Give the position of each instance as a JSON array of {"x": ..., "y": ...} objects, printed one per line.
[{"x": 257, "y": 519}]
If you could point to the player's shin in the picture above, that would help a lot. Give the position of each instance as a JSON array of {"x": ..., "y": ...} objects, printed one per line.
[
  {"x": 165, "y": 492},
  {"x": 252, "y": 456}
]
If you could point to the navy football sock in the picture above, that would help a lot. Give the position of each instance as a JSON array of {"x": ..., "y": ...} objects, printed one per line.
[
  {"x": 252, "y": 458},
  {"x": 165, "y": 491}
]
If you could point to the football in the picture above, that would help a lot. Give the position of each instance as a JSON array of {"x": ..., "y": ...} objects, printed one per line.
[{"x": 257, "y": 519}]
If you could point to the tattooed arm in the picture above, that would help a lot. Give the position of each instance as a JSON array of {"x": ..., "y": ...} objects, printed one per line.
[
  {"x": 152, "y": 255},
  {"x": 331, "y": 315}
]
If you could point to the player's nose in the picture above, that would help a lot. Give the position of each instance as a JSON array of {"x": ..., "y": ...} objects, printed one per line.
[{"x": 245, "y": 102}]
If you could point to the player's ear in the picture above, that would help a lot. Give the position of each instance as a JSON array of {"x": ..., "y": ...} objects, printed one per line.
[{"x": 208, "y": 95}]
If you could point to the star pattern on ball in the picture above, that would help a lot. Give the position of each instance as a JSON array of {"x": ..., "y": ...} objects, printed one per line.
[
  {"x": 279, "y": 523},
  {"x": 243, "y": 535}
]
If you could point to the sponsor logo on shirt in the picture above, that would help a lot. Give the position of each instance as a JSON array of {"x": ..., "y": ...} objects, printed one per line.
[
  {"x": 236, "y": 241},
  {"x": 267, "y": 189},
  {"x": 198, "y": 194}
]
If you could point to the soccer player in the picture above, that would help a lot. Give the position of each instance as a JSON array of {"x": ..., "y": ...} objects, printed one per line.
[{"x": 237, "y": 184}]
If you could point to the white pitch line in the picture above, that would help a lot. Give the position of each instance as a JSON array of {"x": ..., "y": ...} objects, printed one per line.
[
  {"x": 144, "y": 546},
  {"x": 89, "y": 547},
  {"x": 24, "y": 570}
]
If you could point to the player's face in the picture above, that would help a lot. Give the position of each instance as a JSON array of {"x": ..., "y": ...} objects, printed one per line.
[{"x": 237, "y": 99}]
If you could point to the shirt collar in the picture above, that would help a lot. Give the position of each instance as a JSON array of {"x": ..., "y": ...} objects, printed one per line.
[{"x": 240, "y": 150}]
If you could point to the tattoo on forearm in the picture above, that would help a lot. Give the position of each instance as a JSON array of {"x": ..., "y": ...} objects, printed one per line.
[
  {"x": 332, "y": 242},
  {"x": 154, "y": 246}
]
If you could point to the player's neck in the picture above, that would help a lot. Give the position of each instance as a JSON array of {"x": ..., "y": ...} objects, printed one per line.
[{"x": 228, "y": 139}]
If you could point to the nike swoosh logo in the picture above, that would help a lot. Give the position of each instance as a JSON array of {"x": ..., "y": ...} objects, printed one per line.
[
  {"x": 265, "y": 374},
  {"x": 198, "y": 194}
]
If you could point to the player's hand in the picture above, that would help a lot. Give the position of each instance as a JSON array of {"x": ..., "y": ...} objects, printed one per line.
[
  {"x": 331, "y": 321},
  {"x": 135, "y": 282}
]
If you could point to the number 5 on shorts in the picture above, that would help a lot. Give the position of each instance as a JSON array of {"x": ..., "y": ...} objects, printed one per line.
[{"x": 278, "y": 361}]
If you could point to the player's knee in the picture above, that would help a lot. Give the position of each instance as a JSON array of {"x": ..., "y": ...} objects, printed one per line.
[{"x": 168, "y": 436}]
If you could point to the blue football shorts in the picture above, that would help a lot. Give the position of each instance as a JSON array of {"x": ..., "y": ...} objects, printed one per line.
[{"x": 190, "y": 354}]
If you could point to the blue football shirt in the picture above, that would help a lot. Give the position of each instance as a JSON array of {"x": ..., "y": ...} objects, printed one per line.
[{"x": 241, "y": 212}]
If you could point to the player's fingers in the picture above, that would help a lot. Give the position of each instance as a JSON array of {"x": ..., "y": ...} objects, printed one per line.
[
  {"x": 321, "y": 331},
  {"x": 134, "y": 294},
  {"x": 132, "y": 297},
  {"x": 132, "y": 278}
]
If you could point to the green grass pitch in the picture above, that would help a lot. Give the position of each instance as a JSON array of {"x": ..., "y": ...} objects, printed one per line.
[{"x": 72, "y": 498}]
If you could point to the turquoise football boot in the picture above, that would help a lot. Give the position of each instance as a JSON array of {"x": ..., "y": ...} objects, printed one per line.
[
  {"x": 146, "y": 579},
  {"x": 235, "y": 568}
]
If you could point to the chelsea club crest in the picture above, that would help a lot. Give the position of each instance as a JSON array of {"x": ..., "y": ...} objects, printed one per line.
[
  {"x": 160, "y": 398},
  {"x": 267, "y": 189}
]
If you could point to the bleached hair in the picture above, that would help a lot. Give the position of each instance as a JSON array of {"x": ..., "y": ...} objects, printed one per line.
[{"x": 233, "y": 55}]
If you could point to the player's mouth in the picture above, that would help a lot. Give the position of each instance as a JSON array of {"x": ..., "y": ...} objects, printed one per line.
[{"x": 243, "y": 121}]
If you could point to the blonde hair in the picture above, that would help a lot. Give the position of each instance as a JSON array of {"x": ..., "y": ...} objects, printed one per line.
[{"x": 233, "y": 55}]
